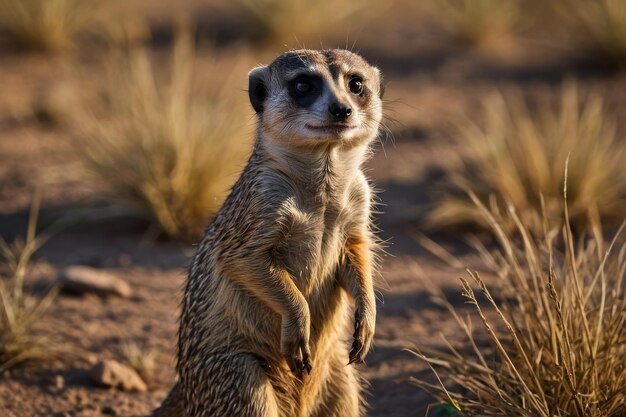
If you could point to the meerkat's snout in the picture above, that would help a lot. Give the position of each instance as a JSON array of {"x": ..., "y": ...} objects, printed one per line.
[
  {"x": 340, "y": 110},
  {"x": 317, "y": 97}
]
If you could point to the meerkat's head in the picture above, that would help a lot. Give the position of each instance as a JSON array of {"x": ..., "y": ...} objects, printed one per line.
[{"x": 307, "y": 98}]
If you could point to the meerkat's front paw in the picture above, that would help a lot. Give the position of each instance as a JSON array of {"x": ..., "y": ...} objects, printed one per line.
[
  {"x": 364, "y": 324},
  {"x": 294, "y": 344}
]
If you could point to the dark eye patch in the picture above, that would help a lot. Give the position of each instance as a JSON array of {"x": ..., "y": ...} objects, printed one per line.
[{"x": 305, "y": 89}]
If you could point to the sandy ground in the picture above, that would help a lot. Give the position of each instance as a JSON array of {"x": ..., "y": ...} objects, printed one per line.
[{"x": 429, "y": 84}]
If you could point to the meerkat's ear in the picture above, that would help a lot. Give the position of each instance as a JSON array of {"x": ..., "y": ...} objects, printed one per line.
[
  {"x": 258, "y": 79},
  {"x": 381, "y": 87}
]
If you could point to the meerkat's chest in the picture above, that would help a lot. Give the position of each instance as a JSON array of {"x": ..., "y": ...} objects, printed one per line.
[{"x": 315, "y": 243}]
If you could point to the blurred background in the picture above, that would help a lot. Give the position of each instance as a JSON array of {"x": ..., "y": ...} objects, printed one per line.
[{"x": 123, "y": 125}]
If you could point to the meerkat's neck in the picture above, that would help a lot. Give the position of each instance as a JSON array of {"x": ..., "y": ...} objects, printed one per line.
[{"x": 327, "y": 168}]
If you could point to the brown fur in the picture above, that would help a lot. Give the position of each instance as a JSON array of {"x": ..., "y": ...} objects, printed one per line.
[{"x": 266, "y": 305}]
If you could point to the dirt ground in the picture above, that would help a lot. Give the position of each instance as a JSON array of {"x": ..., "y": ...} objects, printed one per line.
[{"x": 430, "y": 83}]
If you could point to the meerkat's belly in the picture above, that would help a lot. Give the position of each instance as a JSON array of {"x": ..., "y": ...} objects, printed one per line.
[{"x": 313, "y": 255}]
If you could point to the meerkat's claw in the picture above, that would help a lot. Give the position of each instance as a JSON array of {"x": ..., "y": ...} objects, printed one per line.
[
  {"x": 363, "y": 335},
  {"x": 307, "y": 364},
  {"x": 306, "y": 360},
  {"x": 357, "y": 344},
  {"x": 356, "y": 352},
  {"x": 300, "y": 362},
  {"x": 295, "y": 365}
]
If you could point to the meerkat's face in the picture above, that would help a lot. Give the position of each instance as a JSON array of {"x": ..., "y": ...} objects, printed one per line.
[{"x": 308, "y": 98}]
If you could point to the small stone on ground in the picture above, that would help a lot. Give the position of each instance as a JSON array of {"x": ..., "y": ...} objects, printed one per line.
[
  {"x": 110, "y": 373},
  {"x": 83, "y": 279}
]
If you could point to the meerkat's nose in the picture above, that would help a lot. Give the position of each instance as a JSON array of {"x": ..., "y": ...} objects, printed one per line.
[{"x": 340, "y": 110}]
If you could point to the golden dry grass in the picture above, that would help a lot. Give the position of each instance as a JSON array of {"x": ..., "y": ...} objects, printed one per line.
[
  {"x": 518, "y": 154},
  {"x": 46, "y": 25},
  {"x": 555, "y": 322},
  {"x": 597, "y": 26},
  {"x": 303, "y": 23},
  {"x": 20, "y": 313},
  {"x": 169, "y": 150},
  {"x": 474, "y": 22}
]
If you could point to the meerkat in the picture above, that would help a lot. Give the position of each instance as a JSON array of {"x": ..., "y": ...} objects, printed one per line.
[{"x": 267, "y": 300}]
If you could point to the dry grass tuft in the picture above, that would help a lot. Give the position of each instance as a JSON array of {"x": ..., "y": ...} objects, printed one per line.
[
  {"x": 557, "y": 331},
  {"x": 46, "y": 25},
  {"x": 598, "y": 26},
  {"x": 141, "y": 360},
  {"x": 303, "y": 22},
  {"x": 518, "y": 154},
  {"x": 168, "y": 150},
  {"x": 20, "y": 313},
  {"x": 475, "y": 22}
]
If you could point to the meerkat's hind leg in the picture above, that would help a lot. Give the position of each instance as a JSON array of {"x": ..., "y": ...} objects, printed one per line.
[{"x": 235, "y": 386}]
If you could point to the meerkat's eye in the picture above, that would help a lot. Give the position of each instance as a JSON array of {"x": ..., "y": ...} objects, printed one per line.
[
  {"x": 355, "y": 85},
  {"x": 302, "y": 86},
  {"x": 303, "y": 89}
]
